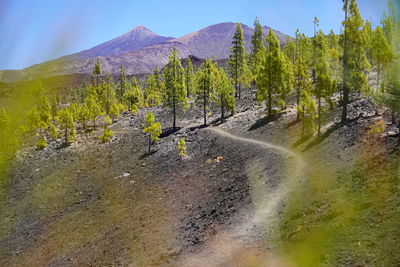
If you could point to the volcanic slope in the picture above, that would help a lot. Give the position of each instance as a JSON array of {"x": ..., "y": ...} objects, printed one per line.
[{"x": 96, "y": 204}]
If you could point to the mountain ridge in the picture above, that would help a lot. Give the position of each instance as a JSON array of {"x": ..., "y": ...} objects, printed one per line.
[{"x": 139, "y": 51}]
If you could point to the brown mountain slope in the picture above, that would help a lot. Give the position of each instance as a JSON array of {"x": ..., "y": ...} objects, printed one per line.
[
  {"x": 139, "y": 37},
  {"x": 215, "y": 40}
]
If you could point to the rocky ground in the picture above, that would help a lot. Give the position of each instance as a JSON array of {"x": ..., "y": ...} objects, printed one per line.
[{"x": 231, "y": 200}]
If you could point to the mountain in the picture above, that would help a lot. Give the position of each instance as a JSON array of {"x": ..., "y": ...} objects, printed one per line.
[
  {"x": 140, "y": 50},
  {"x": 139, "y": 37},
  {"x": 216, "y": 40}
]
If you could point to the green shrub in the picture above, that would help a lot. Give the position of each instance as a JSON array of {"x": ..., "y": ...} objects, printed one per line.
[{"x": 41, "y": 144}]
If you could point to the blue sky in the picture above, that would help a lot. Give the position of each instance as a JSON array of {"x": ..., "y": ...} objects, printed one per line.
[{"x": 33, "y": 31}]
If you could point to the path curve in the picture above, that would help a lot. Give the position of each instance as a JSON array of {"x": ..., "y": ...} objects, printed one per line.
[{"x": 227, "y": 245}]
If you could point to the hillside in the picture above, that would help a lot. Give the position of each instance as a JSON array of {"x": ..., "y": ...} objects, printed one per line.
[{"x": 95, "y": 204}]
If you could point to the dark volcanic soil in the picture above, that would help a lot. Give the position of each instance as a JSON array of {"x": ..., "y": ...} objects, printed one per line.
[{"x": 113, "y": 204}]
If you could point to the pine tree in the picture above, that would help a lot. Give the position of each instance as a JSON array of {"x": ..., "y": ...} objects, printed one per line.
[
  {"x": 236, "y": 58},
  {"x": 368, "y": 36},
  {"x": 151, "y": 93},
  {"x": 108, "y": 120},
  {"x": 182, "y": 148},
  {"x": 41, "y": 144},
  {"x": 114, "y": 112},
  {"x": 54, "y": 133},
  {"x": 314, "y": 42},
  {"x": 381, "y": 52},
  {"x": 152, "y": 128},
  {"x": 157, "y": 76},
  {"x": 247, "y": 76},
  {"x": 324, "y": 84},
  {"x": 122, "y": 86},
  {"x": 355, "y": 62},
  {"x": 131, "y": 99},
  {"x": 391, "y": 91},
  {"x": 175, "y": 93},
  {"x": 205, "y": 79},
  {"x": 137, "y": 91},
  {"x": 55, "y": 105},
  {"x": 334, "y": 54},
  {"x": 97, "y": 71},
  {"x": 67, "y": 124},
  {"x": 275, "y": 77},
  {"x": 307, "y": 110},
  {"x": 389, "y": 23},
  {"x": 189, "y": 77},
  {"x": 301, "y": 71},
  {"x": 224, "y": 93},
  {"x": 107, "y": 94},
  {"x": 290, "y": 49},
  {"x": 106, "y": 135},
  {"x": 83, "y": 115},
  {"x": 44, "y": 110},
  {"x": 257, "y": 47},
  {"x": 93, "y": 108}
]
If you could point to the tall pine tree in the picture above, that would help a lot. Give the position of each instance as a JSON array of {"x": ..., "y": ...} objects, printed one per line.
[
  {"x": 274, "y": 78},
  {"x": 224, "y": 93},
  {"x": 175, "y": 92},
  {"x": 257, "y": 47},
  {"x": 236, "y": 58},
  {"x": 122, "y": 86},
  {"x": 205, "y": 79},
  {"x": 189, "y": 77},
  {"x": 324, "y": 84},
  {"x": 355, "y": 62}
]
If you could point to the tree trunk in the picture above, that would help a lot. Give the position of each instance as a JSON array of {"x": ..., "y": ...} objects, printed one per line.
[
  {"x": 222, "y": 110},
  {"x": 298, "y": 103},
  {"x": 205, "y": 107},
  {"x": 393, "y": 117},
  {"x": 236, "y": 88},
  {"x": 398, "y": 127},
  {"x": 174, "y": 98},
  {"x": 269, "y": 102},
  {"x": 345, "y": 102},
  {"x": 379, "y": 75},
  {"x": 174, "y": 110}
]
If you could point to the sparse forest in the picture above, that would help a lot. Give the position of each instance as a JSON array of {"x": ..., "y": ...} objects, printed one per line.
[{"x": 293, "y": 95}]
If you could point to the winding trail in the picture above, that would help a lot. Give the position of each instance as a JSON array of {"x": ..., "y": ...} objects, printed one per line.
[{"x": 246, "y": 240}]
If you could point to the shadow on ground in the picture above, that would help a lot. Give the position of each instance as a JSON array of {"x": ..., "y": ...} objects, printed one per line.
[{"x": 264, "y": 121}]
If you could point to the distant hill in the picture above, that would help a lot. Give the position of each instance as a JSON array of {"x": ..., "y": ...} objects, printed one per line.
[
  {"x": 216, "y": 40},
  {"x": 139, "y": 51}
]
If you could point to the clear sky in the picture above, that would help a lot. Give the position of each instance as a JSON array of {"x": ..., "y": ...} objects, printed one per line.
[{"x": 33, "y": 31}]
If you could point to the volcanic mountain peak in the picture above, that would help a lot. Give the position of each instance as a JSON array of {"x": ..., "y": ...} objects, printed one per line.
[{"x": 137, "y": 38}]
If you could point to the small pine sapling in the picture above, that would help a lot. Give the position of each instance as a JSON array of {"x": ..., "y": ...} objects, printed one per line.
[
  {"x": 182, "y": 148},
  {"x": 41, "y": 144},
  {"x": 152, "y": 128},
  {"x": 107, "y": 134}
]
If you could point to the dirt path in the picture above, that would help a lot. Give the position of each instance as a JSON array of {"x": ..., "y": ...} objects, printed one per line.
[{"x": 245, "y": 242}]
